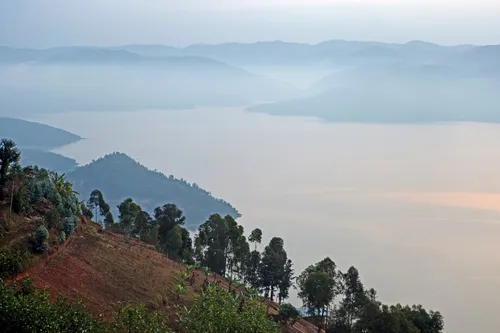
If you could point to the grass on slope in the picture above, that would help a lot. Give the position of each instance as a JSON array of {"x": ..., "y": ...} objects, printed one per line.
[{"x": 105, "y": 270}]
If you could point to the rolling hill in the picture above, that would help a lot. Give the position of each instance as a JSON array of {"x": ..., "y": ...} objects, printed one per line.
[
  {"x": 119, "y": 177},
  {"x": 106, "y": 270},
  {"x": 29, "y": 134},
  {"x": 47, "y": 160}
]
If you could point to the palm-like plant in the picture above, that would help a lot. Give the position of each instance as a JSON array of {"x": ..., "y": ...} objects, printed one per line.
[
  {"x": 252, "y": 294},
  {"x": 57, "y": 180},
  {"x": 62, "y": 186},
  {"x": 206, "y": 270},
  {"x": 183, "y": 277},
  {"x": 180, "y": 290},
  {"x": 230, "y": 281}
]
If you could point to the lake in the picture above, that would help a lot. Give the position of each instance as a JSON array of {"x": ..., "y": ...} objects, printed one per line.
[{"x": 416, "y": 208}]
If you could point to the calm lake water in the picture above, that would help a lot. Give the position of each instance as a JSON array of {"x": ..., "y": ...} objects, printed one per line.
[{"x": 416, "y": 208}]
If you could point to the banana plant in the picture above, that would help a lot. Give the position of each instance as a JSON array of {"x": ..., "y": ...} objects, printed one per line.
[
  {"x": 231, "y": 282},
  {"x": 180, "y": 290},
  {"x": 183, "y": 277}
]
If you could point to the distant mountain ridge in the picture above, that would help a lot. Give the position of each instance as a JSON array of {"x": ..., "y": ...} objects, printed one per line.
[
  {"x": 270, "y": 52},
  {"x": 350, "y": 80},
  {"x": 119, "y": 177},
  {"x": 110, "y": 79},
  {"x": 47, "y": 160},
  {"x": 28, "y": 134}
]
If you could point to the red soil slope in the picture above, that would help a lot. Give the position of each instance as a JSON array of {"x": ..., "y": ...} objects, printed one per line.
[{"x": 105, "y": 270}]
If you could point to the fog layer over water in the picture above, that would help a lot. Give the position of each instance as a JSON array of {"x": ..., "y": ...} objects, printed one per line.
[{"x": 414, "y": 207}]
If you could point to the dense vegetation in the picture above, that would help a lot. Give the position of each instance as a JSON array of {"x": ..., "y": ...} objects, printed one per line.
[
  {"x": 26, "y": 310},
  {"x": 43, "y": 195},
  {"x": 119, "y": 177},
  {"x": 336, "y": 301}
]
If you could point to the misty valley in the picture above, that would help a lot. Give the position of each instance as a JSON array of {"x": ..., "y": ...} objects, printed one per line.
[
  {"x": 333, "y": 80},
  {"x": 382, "y": 155}
]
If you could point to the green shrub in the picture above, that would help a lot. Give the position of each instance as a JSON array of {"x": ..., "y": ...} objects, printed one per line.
[
  {"x": 41, "y": 237},
  {"x": 25, "y": 310},
  {"x": 217, "y": 310},
  {"x": 69, "y": 225},
  {"x": 19, "y": 201},
  {"x": 69, "y": 206},
  {"x": 62, "y": 237},
  {"x": 55, "y": 199},
  {"x": 289, "y": 314},
  {"x": 34, "y": 191},
  {"x": 136, "y": 319},
  {"x": 53, "y": 219},
  {"x": 13, "y": 262},
  {"x": 26, "y": 287},
  {"x": 46, "y": 186}
]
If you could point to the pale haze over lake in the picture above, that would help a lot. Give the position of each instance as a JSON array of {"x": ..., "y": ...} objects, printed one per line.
[{"x": 416, "y": 208}]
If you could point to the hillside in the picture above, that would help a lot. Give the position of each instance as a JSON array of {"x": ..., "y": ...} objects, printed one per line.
[
  {"x": 35, "y": 135},
  {"x": 106, "y": 270},
  {"x": 47, "y": 160},
  {"x": 123, "y": 271},
  {"x": 119, "y": 177}
]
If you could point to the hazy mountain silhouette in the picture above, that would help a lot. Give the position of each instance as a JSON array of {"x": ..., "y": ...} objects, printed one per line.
[
  {"x": 47, "y": 160},
  {"x": 87, "y": 79},
  {"x": 119, "y": 177},
  {"x": 352, "y": 78},
  {"x": 29, "y": 134}
]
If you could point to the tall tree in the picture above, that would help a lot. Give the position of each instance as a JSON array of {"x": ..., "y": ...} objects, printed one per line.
[
  {"x": 128, "y": 211},
  {"x": 108, "y": 220},
  {"x": 241, "y": 255},
  {"x": 286, "y": 282},
  {"x": 142, "y": 224},
  {"x": 318, "y": 285},
  {"x": 169, "y": 219},
  {"x": 252, "y": 270},
  {"x": 96, "y": 201},
  {"x": 9, "y": 154},
  {"x": 93, "y": 202},
  {"x": 186, "y": 250},
  {"x": 237, "y": 246},
  {"x": 212, "y": 242},
  {"x": 354, "y": 296},
  {"x": 272, "y": 268},
  {"x": 255, "y": 237},
  {"x": 173, "y": 242}
]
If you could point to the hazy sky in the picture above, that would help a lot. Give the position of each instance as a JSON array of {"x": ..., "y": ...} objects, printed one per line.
[{"x": 44, "y": 23}]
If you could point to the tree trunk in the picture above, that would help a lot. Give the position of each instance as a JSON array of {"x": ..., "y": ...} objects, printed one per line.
[
  {"x": 321, "y": 319},
  {"x": 272, "y": 292},
  {"x": 11, "y": 200}
]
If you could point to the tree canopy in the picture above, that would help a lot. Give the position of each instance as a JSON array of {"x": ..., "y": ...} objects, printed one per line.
[{"x": 119, "y": 177}]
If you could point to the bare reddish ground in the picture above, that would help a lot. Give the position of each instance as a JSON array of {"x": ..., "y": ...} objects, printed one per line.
[{"x": 105, "y": 270}]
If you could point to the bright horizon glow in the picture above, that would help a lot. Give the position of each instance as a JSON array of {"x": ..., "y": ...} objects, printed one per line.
[{"x": 37, "y": 23}]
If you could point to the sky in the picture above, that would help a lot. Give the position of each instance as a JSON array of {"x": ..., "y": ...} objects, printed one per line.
[{"x": 47, "y": 23}]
